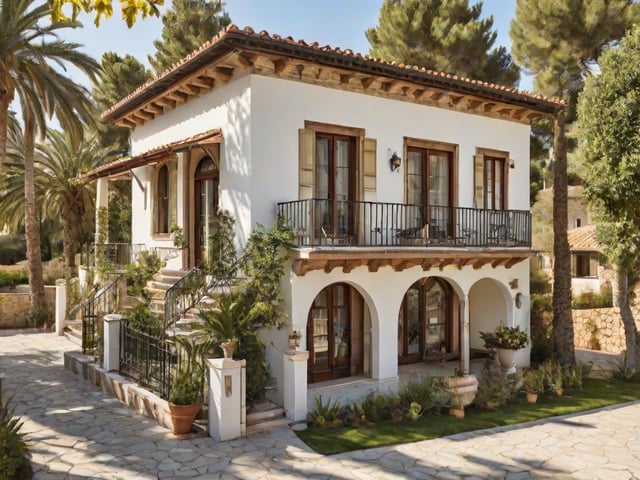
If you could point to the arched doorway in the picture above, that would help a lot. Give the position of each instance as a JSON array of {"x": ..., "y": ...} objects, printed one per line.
[
  {"x": 206, "y": 179},
  {"x": 428, "y": 322},
  {"x": 335, "y": 333}
]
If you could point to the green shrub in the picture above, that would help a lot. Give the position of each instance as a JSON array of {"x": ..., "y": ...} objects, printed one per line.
[
  {"x": 141, "y": 318},
  {"x": 13, "y": 248},
  {"x": 43, "y": 318},
  {"x": 11, "y": 278},
  {"x": 14, "y": 460},
  {"x": 620, "y": 372},
  {"x": 575, "y": 375},
  {"x": 541, "y": 308},
  {"x": 588, "y": 300},
  {"x": 427, "y": 394},
  {"x": 53, "y": 270},
  {"x": 324, "y": 413},
  {"x": 541, "y": 343},
  {"x": 378, "y": 407},
  {"x": 494, "y": 387},
  {"x": 138, "y": 274}
]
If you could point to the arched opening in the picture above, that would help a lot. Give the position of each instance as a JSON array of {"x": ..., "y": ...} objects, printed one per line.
[
  {"x": 206, "y": 179},
  {"x": 335, "y": 334},
  {"x": 428, "y": 322}
]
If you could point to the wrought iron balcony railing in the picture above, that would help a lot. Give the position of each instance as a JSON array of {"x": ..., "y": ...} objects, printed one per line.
[{"x": 318, "y": 222}]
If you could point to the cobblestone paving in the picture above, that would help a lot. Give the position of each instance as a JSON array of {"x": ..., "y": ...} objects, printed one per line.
[{"x": 77, "y": 432}]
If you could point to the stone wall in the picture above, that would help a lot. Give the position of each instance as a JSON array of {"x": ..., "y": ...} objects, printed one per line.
[
  {"x": 14, "y": 307},
  {"x": 601, "y": 329}
]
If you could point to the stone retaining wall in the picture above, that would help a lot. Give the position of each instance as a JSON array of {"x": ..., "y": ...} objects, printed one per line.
[
  {"x": 14, "y": 307},
  {"x": 601, "y": 329}
]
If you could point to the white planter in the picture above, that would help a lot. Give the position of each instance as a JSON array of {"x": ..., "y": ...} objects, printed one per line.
[{"x": 507, "y": 358}]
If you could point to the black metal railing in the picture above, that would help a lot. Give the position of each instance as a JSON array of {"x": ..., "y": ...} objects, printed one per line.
[
  {"x": 318, "y": 222},
  {"x": 106, "y": 300},
  {"x": 115, "y": 253},
  {"x": 147, "y": 359},
  {"x": 185, "y": 294}
]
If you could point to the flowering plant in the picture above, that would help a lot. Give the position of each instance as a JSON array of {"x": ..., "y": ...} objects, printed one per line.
[{"x": 510, "y": 338}]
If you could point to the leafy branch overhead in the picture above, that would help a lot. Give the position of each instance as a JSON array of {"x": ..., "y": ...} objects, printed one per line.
[{"x": 104, "y": 8}]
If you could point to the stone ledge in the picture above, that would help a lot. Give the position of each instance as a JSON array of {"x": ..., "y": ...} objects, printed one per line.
[{"x": 136, "y": 398}]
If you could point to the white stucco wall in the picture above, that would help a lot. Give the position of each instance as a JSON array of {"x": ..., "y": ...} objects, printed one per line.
[{"x": 260, "y": 118}]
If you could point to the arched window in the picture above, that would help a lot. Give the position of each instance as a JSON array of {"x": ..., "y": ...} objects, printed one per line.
[{"x": 162, "y": 201}]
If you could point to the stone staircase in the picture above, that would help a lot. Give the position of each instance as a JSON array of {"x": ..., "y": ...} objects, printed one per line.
[{"x": 264, "y": 415}]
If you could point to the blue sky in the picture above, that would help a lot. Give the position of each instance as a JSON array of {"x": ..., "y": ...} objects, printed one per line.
[{"x": 339, "y": 23}]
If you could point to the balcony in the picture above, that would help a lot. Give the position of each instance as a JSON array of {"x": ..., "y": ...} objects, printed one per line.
[{"x": 344, "y": 223}]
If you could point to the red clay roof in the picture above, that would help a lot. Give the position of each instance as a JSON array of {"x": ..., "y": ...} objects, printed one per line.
[
  {"x": 233, "y": 37},
  {"x": 125, "y": 164},
  {"x": 583, "y": 239}
]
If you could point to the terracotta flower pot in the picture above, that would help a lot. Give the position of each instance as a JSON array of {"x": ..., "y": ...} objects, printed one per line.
[
  {"x": 457, "y": 412},
  {"x": 182, "y": 417},
  {"x": 532, "y": 397},
  {"x": 227, "y": 349}
]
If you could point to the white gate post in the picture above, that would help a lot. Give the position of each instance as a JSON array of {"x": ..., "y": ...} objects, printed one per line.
[
  {"x": 295, "y": 385},
  {"x": 61, "y": 305},
  {"x": 112, "y": 341},
  {"x": 227, "y": 408}
]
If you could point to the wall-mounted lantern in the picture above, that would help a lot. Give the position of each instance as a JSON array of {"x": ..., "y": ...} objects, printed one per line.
[{"x": 394, "y": 162}]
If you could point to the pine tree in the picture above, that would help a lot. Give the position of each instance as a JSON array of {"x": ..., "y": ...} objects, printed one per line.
[
  {"x": 560, "y": 41},
  {"x": 120, "y": 76},
  {"x": 443, "y": 35},
  {"x": 186, "y": 26}
]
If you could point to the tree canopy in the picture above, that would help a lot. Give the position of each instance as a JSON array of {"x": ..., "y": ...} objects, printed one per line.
[
  {"x": 443, "y": 35},
  {"x": 609, "y": 129},
  {"x": 104, "y": 8},
  {"x": 185, "y": 27}
]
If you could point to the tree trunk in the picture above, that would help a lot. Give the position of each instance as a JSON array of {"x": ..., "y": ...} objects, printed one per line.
[
  {"x": 32, "y": 222},
  {"x": 71, "y": 226},
  {"x": 5, "y": 101},
  {"x": 626, "y": 315},
  {"x": 563, "y": 345}
]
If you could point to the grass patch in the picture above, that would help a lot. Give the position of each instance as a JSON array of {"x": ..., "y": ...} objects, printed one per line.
[{"x": 596, "y": 393}]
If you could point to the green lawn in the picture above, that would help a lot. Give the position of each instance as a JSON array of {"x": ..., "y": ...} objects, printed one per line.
[{"x": 596, "y": 393}]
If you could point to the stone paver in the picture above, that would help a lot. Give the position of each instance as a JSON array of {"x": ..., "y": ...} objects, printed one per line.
[{"x": 77, "y": 432}]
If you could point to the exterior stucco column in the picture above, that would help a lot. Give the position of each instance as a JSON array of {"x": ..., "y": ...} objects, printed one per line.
[
  {"x": 227, "y": 385},
  {"x": 295, "y": 385},
  {"x": 465, "y": 346},
  {"x": 112, "y": 341},
  {"x": 102, "y": 200},
  {"x": 384, "y": 343}
]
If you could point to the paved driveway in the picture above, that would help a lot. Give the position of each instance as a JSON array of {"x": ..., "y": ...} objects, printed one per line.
[{"x": 77, "y": 432}]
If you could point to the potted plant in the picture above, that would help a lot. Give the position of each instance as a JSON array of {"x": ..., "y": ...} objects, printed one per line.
[
  {"x": 186, "y": 395},
  {"x": 177, "y": 236},
  {"x": 506, "y": 341},
  {"x": 533, "y": 383}
]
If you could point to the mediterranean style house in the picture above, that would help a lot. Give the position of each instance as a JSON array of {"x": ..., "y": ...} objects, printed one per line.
[{"x": 407, "y": 190}]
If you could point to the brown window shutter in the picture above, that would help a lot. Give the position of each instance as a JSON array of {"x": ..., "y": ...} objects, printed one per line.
[
  {"x": 306, "y": 141},
  {"x": 369, "y": 146},
  {"x": 478, "y": 181}
]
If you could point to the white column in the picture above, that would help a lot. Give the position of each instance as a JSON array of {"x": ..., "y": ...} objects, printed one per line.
[
  {"x": 112, "y": 341},
  {"x": 465, "y": 353},
  {"x": 227, "y": 412},
  {"x": 102, "y": 199},
  {"x": 61, "y": 305},
  {"x": 295, "y": 385}
]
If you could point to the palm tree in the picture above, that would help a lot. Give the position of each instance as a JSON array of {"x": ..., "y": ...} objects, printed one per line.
[
  {"x": 61, "y": 197},
  {"x": 27, "y": 52}
]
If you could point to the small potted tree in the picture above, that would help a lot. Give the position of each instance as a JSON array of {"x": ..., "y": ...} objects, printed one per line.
[
  {"x": 186, "y": 395},
  {"x": 506, "y": 341},
  {"x": 533, "y": 383}
]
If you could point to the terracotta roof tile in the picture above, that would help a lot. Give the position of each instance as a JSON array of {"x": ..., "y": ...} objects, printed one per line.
[
  {"x": 249, "y": 33},
  {"x": 584, "y": 239}
]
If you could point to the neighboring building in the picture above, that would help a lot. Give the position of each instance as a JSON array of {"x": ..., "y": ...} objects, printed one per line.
[
  {"x": 408, "y": 191},
  {"x": 589, "y": 269}
]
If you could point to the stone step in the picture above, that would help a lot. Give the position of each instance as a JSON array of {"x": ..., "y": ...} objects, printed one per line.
[
  {"x": 267, "y": 425},
  {"x": 263, "y": 411}
]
